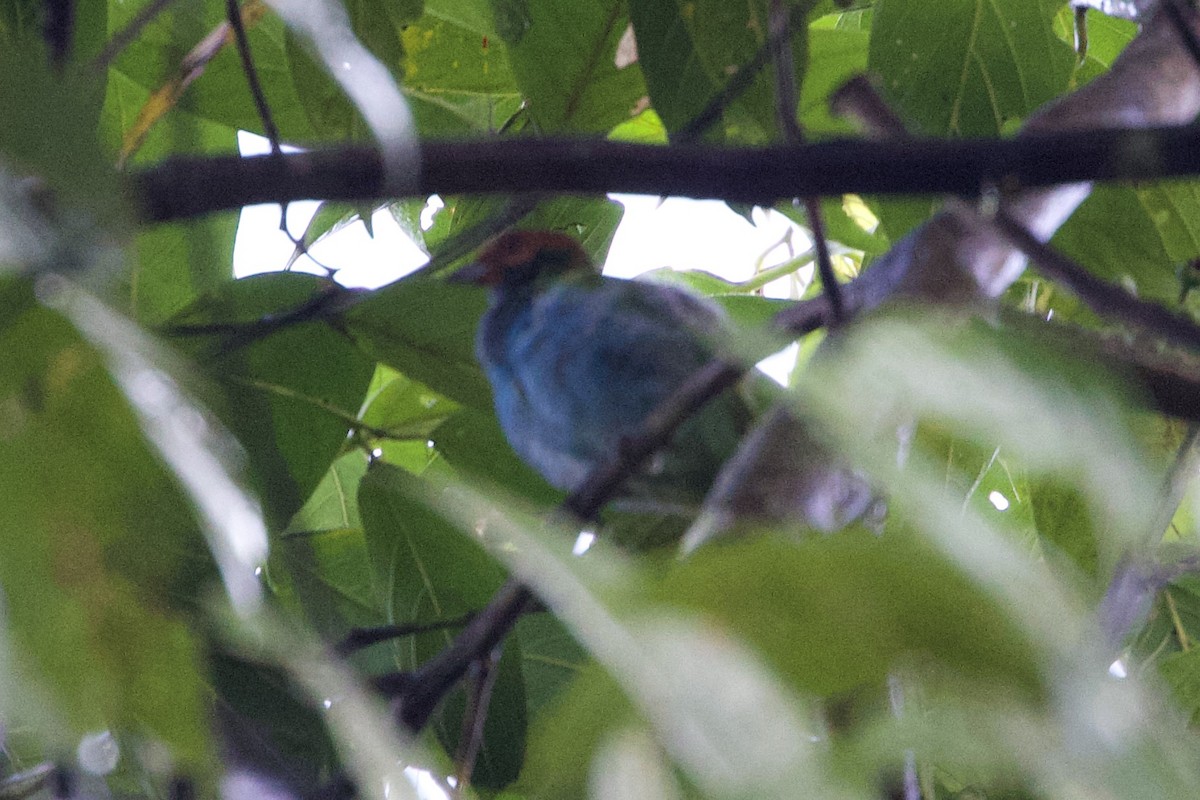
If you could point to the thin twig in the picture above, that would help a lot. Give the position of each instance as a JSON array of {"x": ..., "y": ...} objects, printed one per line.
[
  {"x": 786, "y": 102},
  {"x": 360, "y": 638},
  {"x": 332, "y": 299},
  {"x": 486, "y": 670},
  {"x": 1102, "y": 297},
  {"x": 126, "y": 35},
  {"x": 738, "y": 83},
  {"x": 425, "y": 687},
  {"x": 233, "y": 14}
]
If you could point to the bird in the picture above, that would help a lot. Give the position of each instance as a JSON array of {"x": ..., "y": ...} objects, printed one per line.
[{"x": 577, "y": 360}]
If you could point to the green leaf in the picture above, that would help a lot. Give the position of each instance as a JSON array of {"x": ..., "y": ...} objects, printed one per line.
[
  {"x": 968, "y": 69},
  {"x": 172, "y": 264},
  {"x": 268, "y": 728},
  {"x": 425, "y": 570},
  {"x": 856, "y": 606},
  {"x": 688, "y": 52},
  {"x": 563, "y": 55},
  {"x": 552, "y": 661},
  {"x": 289, "y": 397},
  {"x": 35, "y": 101},
  {"x": 426, "y": 330},
  {"x": 456, "y": 77},
  {"x": 1113, "y": 235},
  {"x": 472, "y": 442},
  {"x": 1173, "y": 208},
  {"x": 109, "y": 556},
  {"x": 221, "y": 94},
  {"x": 561, "y": 744},
  {"x": 406, "y": 409},
  {"x": 1182, "y": 673},
  {"x": 834, "y": 56},
  {"x": 1066, "y": 524}
]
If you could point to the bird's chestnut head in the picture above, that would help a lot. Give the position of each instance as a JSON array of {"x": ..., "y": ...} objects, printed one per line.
[{"x": 522, "y": 257}]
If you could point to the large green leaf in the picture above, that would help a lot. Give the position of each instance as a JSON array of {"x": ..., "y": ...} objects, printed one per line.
[
  {"x": 289, "y": 396},
  {"x": 968, "y": 68},
  {"x": 563, "y": 55},
  {"x": 35, "y": 102},
  {"x": 1114, "y": 236},
  {"x": 378, "y": 26},
  {"x": 472, "y": 442},
  {"x": 221, "y": 94},
  {"x": 321, "y": 560},
  {"x": 426, "y": 330},
  {"x": 834, "y": 56},
  {"x": 172, "y": 264},
  {"x": 425, "y": 570},
  {"x": 688, "y": 51},
  {"x": 456, "y": 73}
]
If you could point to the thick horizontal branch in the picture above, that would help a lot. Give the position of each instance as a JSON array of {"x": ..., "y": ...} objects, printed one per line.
[{"x": 187, "y": 187}]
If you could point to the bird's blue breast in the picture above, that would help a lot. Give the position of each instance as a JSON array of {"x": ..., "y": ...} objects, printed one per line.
[{"x": 577, "y": 367}]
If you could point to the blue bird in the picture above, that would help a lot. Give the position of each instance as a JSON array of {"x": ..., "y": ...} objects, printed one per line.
[{"x": 577, "y": 360}]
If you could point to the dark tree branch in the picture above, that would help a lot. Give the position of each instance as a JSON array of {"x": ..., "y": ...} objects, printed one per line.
[
  {"x": 424, "y": 689},
  {"x": 187, "y": 187}
]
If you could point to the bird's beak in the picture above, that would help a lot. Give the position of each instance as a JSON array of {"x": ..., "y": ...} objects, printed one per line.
[{"x": 476, "y": 273}]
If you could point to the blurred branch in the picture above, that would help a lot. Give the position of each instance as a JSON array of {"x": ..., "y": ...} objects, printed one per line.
[
  {"x": 187, "y": 187},
  {"x": 360, "y": 638},
  {"x": 483, "y": 680},
  {"x": 126, "y": 35}
]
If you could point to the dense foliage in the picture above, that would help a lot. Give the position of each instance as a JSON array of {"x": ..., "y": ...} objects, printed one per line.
[{"x": 208, "y": 483}]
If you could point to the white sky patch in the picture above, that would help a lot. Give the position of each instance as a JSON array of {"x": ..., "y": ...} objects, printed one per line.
[{"x": 998, "y": 500}]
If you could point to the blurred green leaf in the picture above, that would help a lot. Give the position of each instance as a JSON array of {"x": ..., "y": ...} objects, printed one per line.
[
  {"x": 855, "y": 608},
  {"x": 110, "y": 554},
  {"x": 1064, "y": 521},
  {"x": 35, "y": 102}
]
